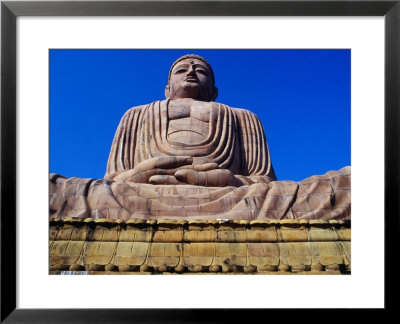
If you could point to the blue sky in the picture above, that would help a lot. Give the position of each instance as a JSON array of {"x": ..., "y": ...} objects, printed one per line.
[{"x": 301, "y": 96}]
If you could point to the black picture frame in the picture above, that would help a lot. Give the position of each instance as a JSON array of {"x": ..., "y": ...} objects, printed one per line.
[{"x": 10, "y": 10}]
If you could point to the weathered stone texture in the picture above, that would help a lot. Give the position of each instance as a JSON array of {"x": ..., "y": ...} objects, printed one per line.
[
  {"x": 178, "y": 170},
  {"x": 200, "y": 246},
  {"x": 312, "y": 198}
]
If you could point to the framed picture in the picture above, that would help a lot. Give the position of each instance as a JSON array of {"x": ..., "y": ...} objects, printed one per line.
[{"x": 12, "y": 203}]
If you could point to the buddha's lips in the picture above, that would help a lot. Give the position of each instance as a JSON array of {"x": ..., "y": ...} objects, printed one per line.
[{"x": 191, "y": 79}]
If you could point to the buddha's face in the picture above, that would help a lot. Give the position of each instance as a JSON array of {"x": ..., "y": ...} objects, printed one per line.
[{"x": 191, "y": 78}]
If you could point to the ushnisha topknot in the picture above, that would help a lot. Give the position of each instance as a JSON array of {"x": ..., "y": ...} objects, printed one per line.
[{"x": 198, "y": 57}]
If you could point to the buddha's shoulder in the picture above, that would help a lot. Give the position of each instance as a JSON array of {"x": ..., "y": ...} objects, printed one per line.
[
  {"x": 243, "y": 112},
  {"x": 137, "y": 109}
]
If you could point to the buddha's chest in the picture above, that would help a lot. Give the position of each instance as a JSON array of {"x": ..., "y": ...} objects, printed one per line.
[{"x": 189, "y": 121}]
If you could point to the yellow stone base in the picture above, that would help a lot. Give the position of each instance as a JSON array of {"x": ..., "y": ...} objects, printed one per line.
[{"x": 105, "y": 246}]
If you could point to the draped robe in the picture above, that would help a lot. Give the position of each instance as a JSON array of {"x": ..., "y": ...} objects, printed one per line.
[{"x": 235, "y": 141}]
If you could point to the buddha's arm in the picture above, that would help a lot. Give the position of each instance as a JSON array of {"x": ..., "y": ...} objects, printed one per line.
[
  {"x": 123, "y": 148},
  {"x": 254, "y": 150}
]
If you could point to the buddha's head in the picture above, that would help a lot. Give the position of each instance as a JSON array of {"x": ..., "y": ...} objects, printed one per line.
[{"x": 191, "y": 76}]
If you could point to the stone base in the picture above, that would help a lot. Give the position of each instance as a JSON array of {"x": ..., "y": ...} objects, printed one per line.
[{"x": 105, "y": 246}]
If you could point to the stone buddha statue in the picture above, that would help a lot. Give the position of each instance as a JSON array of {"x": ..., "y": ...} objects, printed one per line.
[
  {"x": 188, "y": 138},
  {"x": 192, "y": 158}
]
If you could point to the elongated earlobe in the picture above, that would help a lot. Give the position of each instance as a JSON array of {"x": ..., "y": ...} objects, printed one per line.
[
  {"x": 167, "y": 94},
  {"x": 214, "y": 94}
]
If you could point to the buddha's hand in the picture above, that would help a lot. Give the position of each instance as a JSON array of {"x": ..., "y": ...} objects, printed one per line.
[
  {"x": 164, "y": 166},
  {"x": 170, "y": 178},
  {"x": 211, "y": 178}
]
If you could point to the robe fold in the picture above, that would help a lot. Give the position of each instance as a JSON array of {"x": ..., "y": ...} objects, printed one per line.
[
  {"x": 235, "y": 141},
  {"x": 318, "y": 197}
]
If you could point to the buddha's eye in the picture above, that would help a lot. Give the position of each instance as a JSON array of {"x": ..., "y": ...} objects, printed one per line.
[
  {"x": 201, "y": 71},
  {"x": 180, "y": 70}
]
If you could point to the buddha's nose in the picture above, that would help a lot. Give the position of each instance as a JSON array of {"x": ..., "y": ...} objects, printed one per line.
[{"x": 191, "y": 71}]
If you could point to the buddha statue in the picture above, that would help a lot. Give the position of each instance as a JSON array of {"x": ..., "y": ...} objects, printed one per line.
[
  {"x": 190, "y": 157},
  {"x": 188, "y": 138}
]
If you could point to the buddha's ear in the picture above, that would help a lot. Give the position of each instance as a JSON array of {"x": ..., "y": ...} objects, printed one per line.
[
  {"x": 167, "y": 91},
  {"x": 214, "y": 94}
]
